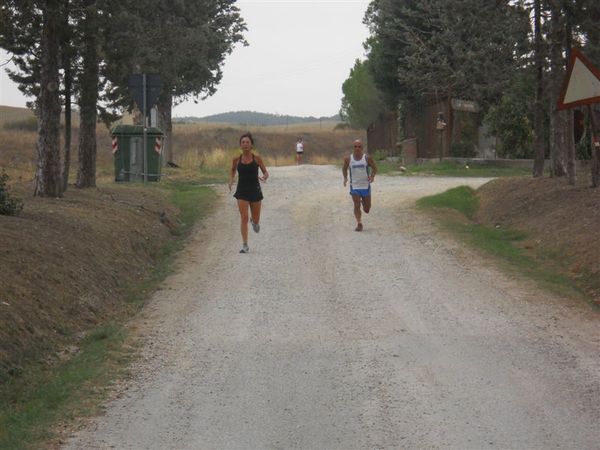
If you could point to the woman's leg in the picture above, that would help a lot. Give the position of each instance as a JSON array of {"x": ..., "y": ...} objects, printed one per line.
[
  {"x": 243, "y": 207},
  {"x": 255, "y": 211}
]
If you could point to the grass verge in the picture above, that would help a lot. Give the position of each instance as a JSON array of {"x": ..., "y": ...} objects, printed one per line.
[
  {"x": 463, "y": 199},
  {"x": 48, "y": 394},
  {"x": 451, "y": 169},
  {"x": 506, "y": 245}
]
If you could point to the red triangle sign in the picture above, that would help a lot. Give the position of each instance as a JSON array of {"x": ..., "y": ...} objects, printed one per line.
[{"x": 581, "y": 85}]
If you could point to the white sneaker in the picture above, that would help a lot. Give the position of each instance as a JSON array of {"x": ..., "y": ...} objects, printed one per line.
[
  {"x": 245, "y": 249},
  {"x": 255, "y": 226}
]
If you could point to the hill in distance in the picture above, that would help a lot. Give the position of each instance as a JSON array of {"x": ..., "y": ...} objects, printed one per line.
[{"x": 254, "y": 118}]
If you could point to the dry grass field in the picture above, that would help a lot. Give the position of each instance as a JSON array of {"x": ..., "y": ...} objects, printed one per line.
[
  {"x": 196, "y": 143},
  {"x": 195, "y": 146},
  {"x": 10, "y": 114}
]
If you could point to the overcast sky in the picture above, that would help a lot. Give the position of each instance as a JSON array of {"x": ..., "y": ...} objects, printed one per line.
[{"x": 299, "y": 54}]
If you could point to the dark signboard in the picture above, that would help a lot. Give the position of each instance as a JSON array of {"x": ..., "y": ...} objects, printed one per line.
[{"x": 135, "y": 83}]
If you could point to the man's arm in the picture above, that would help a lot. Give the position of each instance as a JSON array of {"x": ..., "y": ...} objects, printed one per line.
[
  {"x": 345, "y": 169},
  {"x": 371, "y": 163}
]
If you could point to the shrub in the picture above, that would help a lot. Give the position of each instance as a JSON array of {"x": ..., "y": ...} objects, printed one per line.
[
  {"x": 380, "y": 155},
  {"x": 583, "y": 149},
  {"x": 463, "y": 150},
  {"x": 8, "y": 206},
  {"x": 342, "y": 126},
  {"x": 28, "y": 124}
]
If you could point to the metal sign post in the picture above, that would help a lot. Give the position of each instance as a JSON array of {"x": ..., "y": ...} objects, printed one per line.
[
  {"x": 145, "y": 137},
  {"x": 581, "y": 86},
  {"x": 595, "y": 147},
  {"x": 145, "y": 89}
]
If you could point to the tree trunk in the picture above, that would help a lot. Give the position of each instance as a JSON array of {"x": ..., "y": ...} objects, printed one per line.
[
  {"x": 559, "y": 119},
  {"x": 86, "y": 174},
  {"x": 595, "y": 136},
  {"x": 48, "y": 181},
  {"x": 165, "y": 123},
  {"x": 68, "y": 124},
  {"x": 68, "y": 82},
  {"x": 570, "y": 137},
  {"x": 558, "y": 143},
  {"x": 570, "y": 146},
  {"x": 538, "y": 111}
]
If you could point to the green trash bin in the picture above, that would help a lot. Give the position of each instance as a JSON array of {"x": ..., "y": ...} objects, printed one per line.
[{"x": 127, "y": 143}]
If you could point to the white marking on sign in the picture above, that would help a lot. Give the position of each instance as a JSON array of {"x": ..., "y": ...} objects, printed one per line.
[
  {"x": 115, "y": 145},
  {"x": 583, "y": 84}
]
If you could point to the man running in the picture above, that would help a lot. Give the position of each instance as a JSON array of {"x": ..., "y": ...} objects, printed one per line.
[{"x": 362, "y": 173}]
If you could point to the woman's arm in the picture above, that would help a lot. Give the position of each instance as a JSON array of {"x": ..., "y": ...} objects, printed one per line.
[
  {"x": 232, "y": 171},
  {"x": 263, "y": 169}
]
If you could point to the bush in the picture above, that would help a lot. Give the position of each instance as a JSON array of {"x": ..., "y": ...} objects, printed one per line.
[
  {"x": 380, "y": 155},
  {"x": 463, "y": 150},
  {"x": 342, "y": 126},
  {"x": 583, "y": 149},
  {"x": 8, "y": 206},
  {"x": 511, "y": 119},
  {"x": 28, "y": 124}
]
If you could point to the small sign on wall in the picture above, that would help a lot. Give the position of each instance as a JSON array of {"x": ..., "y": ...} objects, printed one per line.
[{"x": 153, "y": 117}]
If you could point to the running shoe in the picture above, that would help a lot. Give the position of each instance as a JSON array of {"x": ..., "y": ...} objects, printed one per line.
[
  {"x": 245, "y": 249},
  {"x": 359, "y": 227},
  {"x": 255, "y": 227}
]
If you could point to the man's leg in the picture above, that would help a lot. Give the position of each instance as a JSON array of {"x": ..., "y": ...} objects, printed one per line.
[
  {"x": 366, "y": 202},
  {"x": 357, "y": 213}
]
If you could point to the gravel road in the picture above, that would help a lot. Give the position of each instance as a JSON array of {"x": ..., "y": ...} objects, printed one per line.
[{"x": 324, "y": 338}]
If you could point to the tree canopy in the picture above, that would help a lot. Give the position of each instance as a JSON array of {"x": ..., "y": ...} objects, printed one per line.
[
  {"x": 185, "y": 42},
  {"x": 429, "y": 48},
  {"x": 362, "y": 101},
  {"x": 102, "y": 42}
]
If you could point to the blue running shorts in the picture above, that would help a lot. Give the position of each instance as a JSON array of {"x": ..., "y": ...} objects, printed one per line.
[{"x": 361, "y": 192}]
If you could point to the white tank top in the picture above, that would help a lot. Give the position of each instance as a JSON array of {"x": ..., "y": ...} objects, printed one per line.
[{"x": 359, "y": 172}]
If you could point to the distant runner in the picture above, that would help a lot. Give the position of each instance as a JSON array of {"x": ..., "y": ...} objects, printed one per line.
[
  {"x": 362, "y": 174},
  {"x": 248, "y": 192},
  {"x": 299, "y": 150}
]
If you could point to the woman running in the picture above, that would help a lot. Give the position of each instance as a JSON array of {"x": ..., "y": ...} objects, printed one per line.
[{"x": 248, "y": 192}]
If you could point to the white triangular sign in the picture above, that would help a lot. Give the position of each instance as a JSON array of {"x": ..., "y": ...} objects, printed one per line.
[{"x": 582, "y": 85}]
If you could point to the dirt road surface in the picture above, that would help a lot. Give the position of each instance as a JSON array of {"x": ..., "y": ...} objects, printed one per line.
[{"x": 325, "y": 338}]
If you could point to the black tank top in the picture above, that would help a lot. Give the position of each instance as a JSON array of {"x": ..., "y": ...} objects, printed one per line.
[
  {"x": 247, "y": 173},
  {"x": 248, "y": 186}
]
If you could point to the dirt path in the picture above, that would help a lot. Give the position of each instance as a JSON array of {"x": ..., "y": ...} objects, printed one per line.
[{"x": 325, "y": 338}]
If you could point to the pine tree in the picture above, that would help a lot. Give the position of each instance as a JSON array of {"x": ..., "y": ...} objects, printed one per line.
[
  {"x": 88, "y": 98},
  {"x": 362, "y": 102},
  {"x": 48, "y": 182},
  {"x": 185, "y": 42},
  {"x": 444, "y": 48}
]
